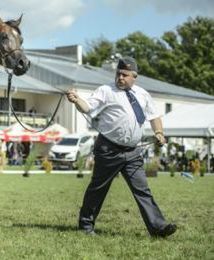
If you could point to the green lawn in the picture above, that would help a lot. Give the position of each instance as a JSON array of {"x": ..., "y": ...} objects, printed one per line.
[{"x": 38, "y": 217}]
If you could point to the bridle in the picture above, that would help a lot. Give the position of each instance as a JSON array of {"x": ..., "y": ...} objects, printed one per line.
[
  {"x": 3, "y": 55},
  {"x": 8, "y": 53}
]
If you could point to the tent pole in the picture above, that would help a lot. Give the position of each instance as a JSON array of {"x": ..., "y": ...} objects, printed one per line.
[{"x": 208, "y": 153}]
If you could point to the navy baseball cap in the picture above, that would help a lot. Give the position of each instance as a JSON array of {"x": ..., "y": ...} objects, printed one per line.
[{"x": 127, "y": 63}]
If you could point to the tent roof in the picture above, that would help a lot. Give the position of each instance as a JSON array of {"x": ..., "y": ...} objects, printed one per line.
[{"x": 194, "y": 121}]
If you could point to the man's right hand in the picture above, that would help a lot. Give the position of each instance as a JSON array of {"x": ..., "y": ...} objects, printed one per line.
[
  {"x": 72, "y": 95},
  {"x": 80, "y": 104}
]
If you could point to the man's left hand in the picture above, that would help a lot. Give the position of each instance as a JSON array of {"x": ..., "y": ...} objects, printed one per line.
[{"x": 160, "y": 139}]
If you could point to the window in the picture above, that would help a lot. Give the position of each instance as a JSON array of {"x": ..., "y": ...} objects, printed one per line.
[
  {"x": 18, "y": 104},
  {"x": 84, "y": 139},
  {"x": 168, "y": 108}
]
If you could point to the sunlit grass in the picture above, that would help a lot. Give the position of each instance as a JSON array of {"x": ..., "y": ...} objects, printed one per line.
[{"x": 38, "y": 219}]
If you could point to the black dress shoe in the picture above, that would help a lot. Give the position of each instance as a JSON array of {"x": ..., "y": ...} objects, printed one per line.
[
  {"x": 89, "y": 232},
  {"x": 166, "y": 231}
]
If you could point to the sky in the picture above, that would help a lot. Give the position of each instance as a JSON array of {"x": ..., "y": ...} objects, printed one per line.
[{"x": 52, "y": 23}]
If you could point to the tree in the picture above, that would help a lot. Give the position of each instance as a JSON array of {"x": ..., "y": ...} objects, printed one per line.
[
  {"x": 187, "y": 56},
  {"x": 98, "y": 51},
  {"x": 142, "y": 48},
  {"x": 184, "y": 57}
]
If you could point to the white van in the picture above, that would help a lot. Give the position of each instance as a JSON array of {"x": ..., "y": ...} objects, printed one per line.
[{"x": 69, "y": 148}]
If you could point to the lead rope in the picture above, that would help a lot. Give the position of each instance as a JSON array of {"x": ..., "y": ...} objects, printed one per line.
[
  {"x": 152, "y": 140},
  {"x": 10, "y": 75}
]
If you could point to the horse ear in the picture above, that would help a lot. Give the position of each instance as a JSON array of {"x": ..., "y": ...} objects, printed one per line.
[
  {"x": 15, "y": 23},
  {"x": 18, "y": 21}
]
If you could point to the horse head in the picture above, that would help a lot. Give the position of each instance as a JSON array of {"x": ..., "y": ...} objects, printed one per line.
[{"x": 11, "y": 53}]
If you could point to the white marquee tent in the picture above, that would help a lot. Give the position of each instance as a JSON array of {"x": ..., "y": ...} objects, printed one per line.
[{"x": 196, "y": 121}]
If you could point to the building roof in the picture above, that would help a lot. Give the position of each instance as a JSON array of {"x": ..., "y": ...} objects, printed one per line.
[
  {"x": 49, "y": 73},
  {"x": 26, "y": 83}
]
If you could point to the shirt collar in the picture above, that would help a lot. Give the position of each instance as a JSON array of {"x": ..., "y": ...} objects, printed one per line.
[{"x": 133, "y": 89}]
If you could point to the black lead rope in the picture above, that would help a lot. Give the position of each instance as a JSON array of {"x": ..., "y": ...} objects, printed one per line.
[
  {"x": 147, "y": 142},
  {"x": 10, "y": 75}
]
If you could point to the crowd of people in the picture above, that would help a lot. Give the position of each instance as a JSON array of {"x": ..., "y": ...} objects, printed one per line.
[
  {"x": 180, "y": 159},
  {"x": 14, "y": 153}
]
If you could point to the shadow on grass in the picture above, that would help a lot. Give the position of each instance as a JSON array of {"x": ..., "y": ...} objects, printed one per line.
[
  {"x": 64, "y": 228},
  {"x": 61, "y": 228}
]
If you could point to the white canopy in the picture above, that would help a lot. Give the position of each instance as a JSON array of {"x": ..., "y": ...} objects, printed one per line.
[{"x": 193, "y": 121}]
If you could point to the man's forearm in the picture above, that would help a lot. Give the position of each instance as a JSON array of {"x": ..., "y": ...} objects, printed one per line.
[
  {"x": 82, "y": 106},
  {"x": 156, "y": 125}
]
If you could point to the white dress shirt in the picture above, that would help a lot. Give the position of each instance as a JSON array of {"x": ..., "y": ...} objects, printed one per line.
[{"x": 113, "y": 116}]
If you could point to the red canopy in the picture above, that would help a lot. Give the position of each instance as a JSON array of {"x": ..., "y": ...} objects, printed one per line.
[
  {"x": 53, "y": 133},
  {"x": 16, "y": 133}
]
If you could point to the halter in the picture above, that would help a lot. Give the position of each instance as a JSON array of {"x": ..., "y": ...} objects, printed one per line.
[{"x": 3, "y": 56}]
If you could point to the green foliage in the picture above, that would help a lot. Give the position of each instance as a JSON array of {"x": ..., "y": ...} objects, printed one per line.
[
  {"x": 187, "y": 58},
  {"x": 29, "y": 163},
  {"x": 151, "y": 167},
  {"x": 203, "y": 168},
  {"x": 172, "y": 168},
  {"x": 80, "y": 165},
  {"x": 47, "y": 165},
  {"x": 39, "y": 220},
  {"x": 98, "y": 52},
  {"x": 142, "y": 48},
  {"x": 183, "y": 57}
]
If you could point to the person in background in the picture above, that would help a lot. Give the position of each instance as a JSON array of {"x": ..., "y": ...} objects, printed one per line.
[
  {"x": 3, "y": 150},
  {"x": 32, "y": 111},
  {"x": 118, "y": 111}
]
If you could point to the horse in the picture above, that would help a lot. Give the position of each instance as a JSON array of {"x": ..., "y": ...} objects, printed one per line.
[{"x": 11, "y": 54}]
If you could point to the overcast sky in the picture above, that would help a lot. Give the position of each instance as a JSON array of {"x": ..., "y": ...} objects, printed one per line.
[{"x": 52, "y": 23}]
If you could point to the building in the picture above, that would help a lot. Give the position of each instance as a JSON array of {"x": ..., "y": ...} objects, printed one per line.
[{"x": 52, "y": 72}]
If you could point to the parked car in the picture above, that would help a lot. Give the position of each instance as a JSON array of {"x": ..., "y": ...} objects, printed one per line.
[{"x": 70, "y": 148}]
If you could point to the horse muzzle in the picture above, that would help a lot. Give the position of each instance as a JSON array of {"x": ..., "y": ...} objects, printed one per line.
[{"x": 18, "y": 62}]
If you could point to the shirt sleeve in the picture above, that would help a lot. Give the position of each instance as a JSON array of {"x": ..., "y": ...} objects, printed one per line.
[
  {"x": 96, "y": 102},
  {"x": 151, "y": 111}
]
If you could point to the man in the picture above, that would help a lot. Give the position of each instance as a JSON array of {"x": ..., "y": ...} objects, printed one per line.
[{"x": 118, "y": 111}]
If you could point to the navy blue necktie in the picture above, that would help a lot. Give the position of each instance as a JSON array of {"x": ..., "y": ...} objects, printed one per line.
[{"x": 136, "y": 107}]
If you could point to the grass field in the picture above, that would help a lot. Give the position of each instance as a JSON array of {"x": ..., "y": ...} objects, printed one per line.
[{"x": 38, "y": 217}]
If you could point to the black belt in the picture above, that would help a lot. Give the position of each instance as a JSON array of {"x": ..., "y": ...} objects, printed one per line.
[{"x": 105, "y": 140}]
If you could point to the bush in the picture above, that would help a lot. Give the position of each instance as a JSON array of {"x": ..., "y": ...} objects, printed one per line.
[
  {"x": 195, "y": 166},
  {"x": 29, "y": 162},
  {"x": 203, "y": 168},
  {"x": 47, "y": 165},
  {"x": 172, "y": 169},
  {"x": 80, "y": 164},
  {"x": 151, "y": 168}
]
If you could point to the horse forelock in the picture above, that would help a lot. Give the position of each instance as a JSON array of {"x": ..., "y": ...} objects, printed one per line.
[{"x": 11, "y": 23}]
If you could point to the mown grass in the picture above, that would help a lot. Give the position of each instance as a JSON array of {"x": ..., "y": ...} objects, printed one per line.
[{"x": 38, "y": 218}]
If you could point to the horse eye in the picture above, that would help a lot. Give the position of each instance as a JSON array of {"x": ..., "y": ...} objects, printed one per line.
[{"x": 3, "y": 36}]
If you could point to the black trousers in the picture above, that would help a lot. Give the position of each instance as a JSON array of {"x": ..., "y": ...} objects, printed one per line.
[{"x": 110, "y": 159}]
